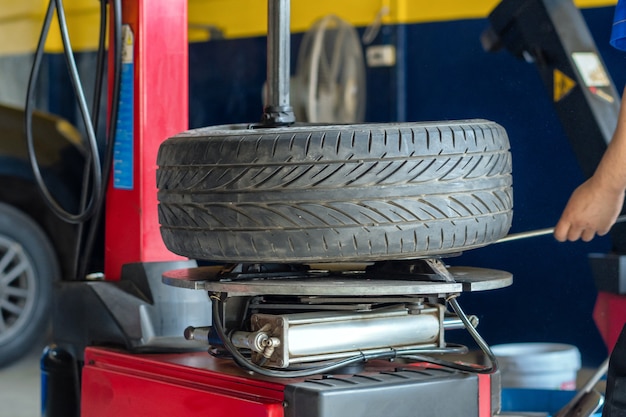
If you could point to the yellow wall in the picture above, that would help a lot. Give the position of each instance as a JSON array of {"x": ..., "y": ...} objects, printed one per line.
[
  {"x": 242, "y": 18},
  {"x": 252, "y": 18},
  {"x": 20, "y": 21}
]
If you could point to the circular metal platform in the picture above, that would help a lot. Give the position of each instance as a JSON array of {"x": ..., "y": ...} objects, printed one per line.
[{"x": 354, "y": 283}]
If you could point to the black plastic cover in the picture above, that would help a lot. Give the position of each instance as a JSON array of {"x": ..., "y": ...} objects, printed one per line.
[{"x": 401, "y": 393}]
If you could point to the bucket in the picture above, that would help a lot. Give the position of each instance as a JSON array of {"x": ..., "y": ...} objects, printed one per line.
[{"x": 538, "y": 365}]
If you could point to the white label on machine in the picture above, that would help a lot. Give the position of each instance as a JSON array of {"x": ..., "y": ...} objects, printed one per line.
[{"x": 591, "y": 69}]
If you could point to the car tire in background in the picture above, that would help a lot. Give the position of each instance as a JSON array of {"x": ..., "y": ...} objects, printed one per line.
[
  {"x": 28, "y": 268},
  {"x": 315, "y": 193}
]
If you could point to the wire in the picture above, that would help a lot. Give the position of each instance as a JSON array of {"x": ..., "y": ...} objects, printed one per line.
[
  {"x": 90, "y": 142},
  {"x": 411, "y": 353},
  {"x": 440, "y": 269},
  {"x": 243, "y": 362},
  {"x": 493, "y": 362},
  {"x": 112, "y": 127},
  {"x": 96, "y": 172},
  {"x": 95, "y": 108}
]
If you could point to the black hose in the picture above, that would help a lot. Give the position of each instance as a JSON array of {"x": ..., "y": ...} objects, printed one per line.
[
  {"x": 95, "y": 112},
  {"x": 112, "y": 126},
  {"x": 91, "y": 143},
  {"x": 96, "y": 173}
]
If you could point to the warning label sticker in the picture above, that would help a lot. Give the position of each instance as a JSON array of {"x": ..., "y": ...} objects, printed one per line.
[
  {"x": 562, "y": 85},
  {"x": 591, "y": 69}
]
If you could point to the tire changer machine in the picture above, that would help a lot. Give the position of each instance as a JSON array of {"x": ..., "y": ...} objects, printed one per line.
[{"x": 327, "y": 337}]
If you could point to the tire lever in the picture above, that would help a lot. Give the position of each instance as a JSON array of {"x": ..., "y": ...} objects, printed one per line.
[{"x": 540, "y": 232}]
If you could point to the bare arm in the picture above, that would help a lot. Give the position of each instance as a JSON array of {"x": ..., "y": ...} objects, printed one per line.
[{"x": 594, "y": 206}]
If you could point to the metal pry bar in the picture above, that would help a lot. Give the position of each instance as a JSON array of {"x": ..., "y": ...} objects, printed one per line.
[{"x": 540, "y": 232}]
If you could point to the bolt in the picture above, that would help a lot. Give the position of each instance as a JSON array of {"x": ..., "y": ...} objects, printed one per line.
[{"x": 416, "y": 307}]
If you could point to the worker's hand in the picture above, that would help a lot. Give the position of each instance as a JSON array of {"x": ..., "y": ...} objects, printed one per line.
[{"x": 592, "y": 209}]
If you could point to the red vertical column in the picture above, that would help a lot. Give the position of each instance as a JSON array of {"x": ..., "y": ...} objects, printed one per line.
[
  {"x": 609, "y": 314},
  {"x": 159, "y": 92}
]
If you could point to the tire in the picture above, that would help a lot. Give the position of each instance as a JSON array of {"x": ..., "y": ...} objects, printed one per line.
[
  {"x": 28, "y": 267},
  {"x": 334, "y": 193}
]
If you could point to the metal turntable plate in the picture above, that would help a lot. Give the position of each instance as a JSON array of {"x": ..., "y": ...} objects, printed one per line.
[{"x": 353, "y": 283}]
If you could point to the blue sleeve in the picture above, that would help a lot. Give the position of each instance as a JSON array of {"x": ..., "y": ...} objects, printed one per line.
[{"x": 618, "y": 33}]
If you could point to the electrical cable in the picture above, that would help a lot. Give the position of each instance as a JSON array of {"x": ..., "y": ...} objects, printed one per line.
[
  {"x": 493, "y": 362},
  {"x": 96, "y": 172},
  {"x": 410, "y": 353},
  {"x": 90, "y": 142},
  {"x": 244, "y": 363},
  {"x": 116, "y": 15},
  {"x": 95, "y": 112}
]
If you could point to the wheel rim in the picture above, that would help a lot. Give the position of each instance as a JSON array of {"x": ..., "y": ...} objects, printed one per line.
[{"x": 18, "y": 288}]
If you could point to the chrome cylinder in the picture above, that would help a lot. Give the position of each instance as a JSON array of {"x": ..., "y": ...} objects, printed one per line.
[
  {"x": 313, "y": 336},
  {"x": 361, "y": 333}
]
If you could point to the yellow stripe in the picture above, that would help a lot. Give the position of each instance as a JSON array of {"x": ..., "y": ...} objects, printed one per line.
[
  {"x": 20, "y": 25},
  {"x": 20, "y": 22},
  {"x": 245, "y": 18},
  {"x": 83, "y": 27},
  {"x": 429, "y": 11},
  {"x": 595, "y": 3},
  {"x": 20, "y": 36}
]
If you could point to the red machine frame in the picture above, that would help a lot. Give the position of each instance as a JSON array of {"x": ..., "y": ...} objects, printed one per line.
[
  {"x": 116, "y": 383},
  {"x": 161, "y": 107}
]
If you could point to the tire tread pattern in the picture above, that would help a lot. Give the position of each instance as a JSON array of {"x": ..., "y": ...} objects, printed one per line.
[{"x": 335, "y": 193}]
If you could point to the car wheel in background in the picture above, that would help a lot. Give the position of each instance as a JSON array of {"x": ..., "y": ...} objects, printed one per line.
[{"x": 28, "y": 268}]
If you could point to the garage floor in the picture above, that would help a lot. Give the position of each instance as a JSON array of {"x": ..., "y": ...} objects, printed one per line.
[{"x": 19, "y": 387}]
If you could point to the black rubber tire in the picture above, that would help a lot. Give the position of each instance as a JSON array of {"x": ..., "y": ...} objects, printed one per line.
[
  {"x": 334, "y": 193},
  {"x": 28, "y": 268}
]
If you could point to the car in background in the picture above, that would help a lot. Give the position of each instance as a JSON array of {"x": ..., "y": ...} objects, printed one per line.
[{"x": 36, "y": 247}]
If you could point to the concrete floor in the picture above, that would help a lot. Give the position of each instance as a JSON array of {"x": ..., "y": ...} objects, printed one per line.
[{"x": 19, "y": 387}]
